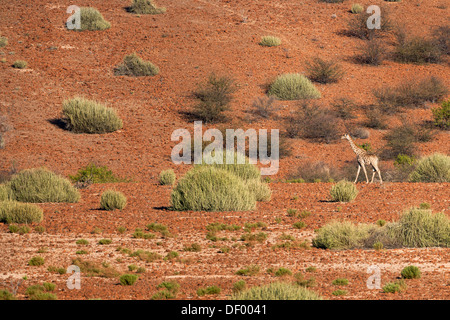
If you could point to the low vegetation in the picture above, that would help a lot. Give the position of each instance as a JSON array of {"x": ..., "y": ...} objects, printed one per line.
[
  {"x": 87, "y": 116},
  {"x": 343, "y": 191},
  {"x": 433, "y": 168},
  {"x": 3, "y": 41},
  {"x": 128, "y": 279},
  {"x": 145, "y": 7},
  {"x": 276, "y": 291},
  {"x": 270, "y": 41},
  {"x": 92, "y": 20},
  {"x": 324, "y": 71},
  {"x": 95, "y": 174},
  {"x": 20, "y": 64},
  {"x": 134, "y": 66},
  {"x": 111, "y": 200},
  {"x": 441, "y": 115},
  {"x": 293, "y": 86},
  {"x": 16, "y": 212},
  {"x": 167, "y": 177},
  {"x": 411, "y": 272}
]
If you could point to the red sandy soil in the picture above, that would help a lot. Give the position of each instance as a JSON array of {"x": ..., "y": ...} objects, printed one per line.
[{"x": 188, "y": 42}]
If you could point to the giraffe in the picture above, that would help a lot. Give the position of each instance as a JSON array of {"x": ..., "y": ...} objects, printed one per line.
[{"x": 363, "y": 158}]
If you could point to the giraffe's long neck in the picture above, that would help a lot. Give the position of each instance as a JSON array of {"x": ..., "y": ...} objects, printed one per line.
[{"x": 355, "y": 148}]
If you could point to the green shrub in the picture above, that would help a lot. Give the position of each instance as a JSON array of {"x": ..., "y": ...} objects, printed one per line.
[
  {"x": 433, "y": 168},
  {"x": 104, "y": 241},
  {"x": 239, "y": 286},
  {"x": 340, "y": 282},
  {"x": 342, "y": 235},
  {"x": 207, "y": 188},
  {"x": 283, "y": 272},
  {"x": 92, "y": 19},
  {"x": 3, "y": 42},
  {"x": 15, "y": 212},
  {"x": 5, "y": 294},
  {"x": 299, "y": 225},
  {"x": 343, "y": 191},
  {"x": 339, "y": 292},
  {"x": 20, "y": 64},
  {"x": 417, "y": 50},
  {"x": 214, "y": 98},
  {"x": 378, "y": 245},
  {"x": 248, "y": 271},
  {"x": 128, "y": 279},
  {"x": 94, "y": 269},
  {"x": 393, "y": 287},
  {"x": 36, "y": 261},
  {"x": 48, "y": 286},
  {"x": 293, "y": 86},
  {"x": 147, "y": 256},
  {"x": 112, "y": 200},
  {"x": 145, "y": 7},
  {"x": 357, "y": 8},
  {"x": 41, "y": 185},
  {"x": 424, "y": 205},
  {"x": 82, "y": 242},
  {"x": 167, "y": 177},
  {"x": 441, "y": 115},
  {"x": 411, "y": 272},
  {"x": 441, "y": 37},
  {"x": 195, "y": 247},
  {"x": 270, "y": 41},
  {"x": 87, "y": 116},
  {"x": 372, "y": 52},
  {"x": 276, "y": 291},
  {"x": 133, "y": 65},
  {"x": 95, "y": 174},
  {"x": 324, "y": 71}
]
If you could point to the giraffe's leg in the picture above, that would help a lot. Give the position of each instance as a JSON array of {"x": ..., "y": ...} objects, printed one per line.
[
  {"x": 365, "y": 173},
  {"x": 373, "y": 175},
  {"x": 357, "y": 173},
  {"x": 379, "y": 175}
]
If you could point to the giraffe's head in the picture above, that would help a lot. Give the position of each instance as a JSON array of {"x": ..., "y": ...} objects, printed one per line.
[{"x": 346, "y": 136}]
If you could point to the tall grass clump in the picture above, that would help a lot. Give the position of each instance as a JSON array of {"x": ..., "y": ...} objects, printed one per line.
[
  {"x": 16, "y": 212},
  {"x": 270, "y": 41},
  {"x": 293, "y": 86},
  {"x": 207, "y": 188},
  {"x": 133, "y": 65},
  {"x": 41, "y": 185},
  {"x": 4, "y": 193},
  {"x": 411, "y": 272},
  {"x": 433, "y": 168},
  {"x": 357, "y": 8},
  {"x": 111, "y": 200},
  {"x": 276, "y": 291},
  {"x": 92, "y": 20},
  {"x": 342, "y": 235},
  {"x": 417, "y": 50},
  {"x": 357, "y": 25},
  {"x": 145, "y": 7},
  {"x": 87, "y": 116},
  {"x": 167, "y": 177},
  {"x": 343, "y": 191}
]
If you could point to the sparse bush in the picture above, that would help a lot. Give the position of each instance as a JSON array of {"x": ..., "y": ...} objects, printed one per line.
[
  {"x": 20, "y": 64},
  {"x": 112, "y": 200},
  {"x": 248, "y": 271},
  {"x": 411, "y": 272},
  {"x": 393, "y": 287},
  {"x": 5, "y": 294},
  {"x": 433, "y": 168},
  {"x": 3, "y": 42},
  {"x": 360, "y": 133},
  {"x": 293, "y": 86},
  {"x": 357, "y": 8},
  {"x": 313, "y": 172},
  {"x": 417, "y": 50},
  {"x": 147, "y": 256},
  {"x": 82, "y": 242},
  {"x": 215, "y": 96},
  {"x": 314, "y": 122},
  {"x": 343, "y": 191},
  {"x": 87, "y": 116},
  {"x": 264, "y": 106},
  {"x": 41, "y": 185},
  {"x": 239, "y": 286},
  {"x": 128, "y": 279},
  {"x": 372, "y": 52},
  {"x": 441, "y": 115},
  {"x": 283, "y": 272},
  {"x": 339, "y": 292},
  {"x": 15, "y": 212},
  {"x": 344, "y": 108},
  {"x": 401, "y": 141},
  {"x": 357, "y": 25},
  {"x": 276, "y": 291},
  {"x": 441, "y": 38},
  {"x": 167, "y": 177},
  {"x": 324, "y": 71},
  {"x": 133, "y": 65},
  {"x": 94, "y": 269},
  {"x": 92, "y": 19},
  {"x": 145, "y": 7},
  {"x": 299, "y": 225},
  {"x": 410, "y": 94},
  {"x": 340, "y": 282},
  {"x": 104, "y": 241},
  {"x": 270, "y": 41},
  {"x": 376, "y": 117},
  {"x": 48, "y": 286},
  {"x": 195, "y": 247}
]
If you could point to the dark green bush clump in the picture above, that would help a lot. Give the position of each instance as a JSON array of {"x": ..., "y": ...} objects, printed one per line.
[
  {"x": 87, "y": 116},
  {"x": 441, "y": 115},
  {"x": 36, "y": 261},
  {"x": 411, "y": 272},
  {"x": 41, "y": 185},
  {"x": 128, "y": 279},
  {"x": 95, "y": 174},
  {"x": 134, "y": 66},
  {"x": 112, "y": 200},
  {"x": 16, "y": 212},
  {"x": 145, "y": 7}
]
